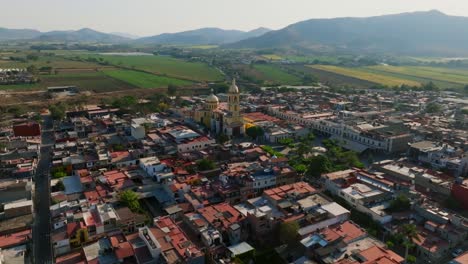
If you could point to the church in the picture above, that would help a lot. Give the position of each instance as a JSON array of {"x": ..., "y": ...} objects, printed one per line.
[{"x": 221, "y": 118}]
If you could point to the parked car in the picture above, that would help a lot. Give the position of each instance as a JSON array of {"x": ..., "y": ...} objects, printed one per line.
[{"x": 457, "y": 252}]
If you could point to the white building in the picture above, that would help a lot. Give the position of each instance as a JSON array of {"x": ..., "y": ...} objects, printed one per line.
[
  {"x": 195, "y": 144},
  {"x": 152, "y": 166}
]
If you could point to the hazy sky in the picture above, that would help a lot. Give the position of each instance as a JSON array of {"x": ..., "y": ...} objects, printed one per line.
[{"x": 150, "y": 17}]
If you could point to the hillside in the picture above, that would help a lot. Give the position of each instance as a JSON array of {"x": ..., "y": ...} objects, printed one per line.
[
  {"x": 416, "y": 33},
  {"x": 82, "y": 35},
  {"x": 12, "y": 34},
  {"x": 203, "y": 36}
]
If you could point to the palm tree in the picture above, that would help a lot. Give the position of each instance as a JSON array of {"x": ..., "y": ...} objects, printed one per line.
[{"x": 410, "y": 234}]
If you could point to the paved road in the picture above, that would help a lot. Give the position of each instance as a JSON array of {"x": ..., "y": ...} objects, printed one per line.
[{"x": 42, "y": 249}]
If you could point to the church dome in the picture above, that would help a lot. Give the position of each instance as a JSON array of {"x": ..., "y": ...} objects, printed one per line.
[
  {"x": 233, "y": 88},
  {"x": 212, "y": 98}
]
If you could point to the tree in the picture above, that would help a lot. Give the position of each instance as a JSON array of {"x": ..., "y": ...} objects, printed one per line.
[
  {"x": 303, "y": 148},
  {"x": 32, "y": 57},
  {"x": 288, "y": 232},
  {"x": 433, "y": 107},
  {"x": 222, "y": 138},
  {"x": 254, "y": 132},
  {"x": 411, "y": 259},
  {"x": 390, "y": 244},
  {"x": 57, "y": 111},
  {"x": 401, "y": 203},
  {"x": 32, "y": 69},
  {"x": 172, "y": 90},
  {"x": 317, "y": 165},
  {"x": 130, "y": 199},
  {"x": 59, "y": 186},
  {"x": 289, "y": 142},
  {"x": 409, "y": 233},
  {"x": 163, "y": 106},
  {"x": 205, "y": 164}
]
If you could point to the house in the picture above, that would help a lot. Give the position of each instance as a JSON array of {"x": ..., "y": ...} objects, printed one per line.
[
  {"x": 226, "y": 219},
  {"x": 175, "y": 246},
  {"x": 128, "y": 221},
  {"x": 27, "y": 129},
  {"x": 77, "y": 233}
]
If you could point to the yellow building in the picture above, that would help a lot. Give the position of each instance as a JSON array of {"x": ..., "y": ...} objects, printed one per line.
[
  {"x": 227, "y": 121},
  {"x": 77, "y": 233}
]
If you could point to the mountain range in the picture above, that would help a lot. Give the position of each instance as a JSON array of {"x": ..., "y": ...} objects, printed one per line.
[
  {"x": 215, "y": 36},
  {"x": 430, "y": 32},
  {"x": 416, "y": 33},
  {"x": 203, "y": 36}
]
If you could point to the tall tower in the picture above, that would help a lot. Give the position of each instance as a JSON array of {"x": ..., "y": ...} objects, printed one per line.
[
  {"x": 233, "y": 99},
  {"x": 234, "y": 122}
]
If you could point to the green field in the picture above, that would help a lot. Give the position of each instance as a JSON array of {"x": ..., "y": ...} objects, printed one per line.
[
  {"x": 88, "y": 81},
  {"x": 364, "y": 74},
  {"x": 162, "y": 65},
  {"x": 274, "y": 74},
  {"x": 145, "y": 80},
  {"x": 56, "y": 62}
]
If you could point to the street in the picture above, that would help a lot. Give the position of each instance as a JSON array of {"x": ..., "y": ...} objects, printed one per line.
[{"x": 42, "y": 250}]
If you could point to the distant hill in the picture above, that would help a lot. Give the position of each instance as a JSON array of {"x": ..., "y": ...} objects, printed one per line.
[
  {"x": 203, "y": 36},
  {"x": 125, "y": 35},
  {"x": 430, "y": 32},
  {"x": 82, "y": 35},
  {"x": 16, "y": 34}
]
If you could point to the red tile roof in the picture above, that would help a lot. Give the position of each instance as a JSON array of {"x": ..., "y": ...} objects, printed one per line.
[
  {"x": 178, "y": 241},
  {"x": 378, "y": 255},
  {"x": 349, "y": 230},
  {"x": 72, "y": 258},
  {"x": 15, "y": 239},
  {"x": 298, "y": 188},
  {"x": 221, "y": 214}
]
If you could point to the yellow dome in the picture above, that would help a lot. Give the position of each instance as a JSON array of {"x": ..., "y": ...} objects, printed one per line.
[
  {"x": 233, "y": 88},
  {"x": 212, "y": 98}
]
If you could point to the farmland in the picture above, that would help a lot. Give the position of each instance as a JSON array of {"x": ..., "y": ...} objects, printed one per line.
[
  {"x": 363, "y": 74},
  {"x": 271, "y": 74},
  {"x": 88, "y": 81},
  {"x": 56, "y": 62},
  {"x": 444, "y": 77},
  {"x": 271, "y": 57},
  {"x": 145, "y": 80},
  {"x": 331, "y": 78},
  {"x": 161, "y": 65}
]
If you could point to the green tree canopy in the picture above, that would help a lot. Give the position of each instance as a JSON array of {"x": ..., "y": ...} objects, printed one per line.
[
  {"x": 130, "y": 199},
  {"x": 57, "y": 111},
  {"x": 318, "y": 165},
  {"x": 401, "y": 203},
  {"x": 254, "y": 132},
  {"x": 205, "y": 164},
  {"x": 433, "y": 108},
  {"x": 172, "y": 90},
  {"x": 288, "y": 232}
]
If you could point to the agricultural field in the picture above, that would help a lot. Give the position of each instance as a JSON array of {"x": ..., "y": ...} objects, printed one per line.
[
  {"x": 443, "y": 77},
  {"x": 203, "y": 46},
  {"x": 331, "y": 78},
  {"x": 272, "y": 57},
  {"x": 87, "y": 81},
  {"x": 55, "y": 62},
  {"x": 310, "y": 59},
  {"x": 363, "y": 74},
  {"x": 162, "y": 65},
  {"x": 273, "y": 74},
  {"x": 145, "y": 80}
]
